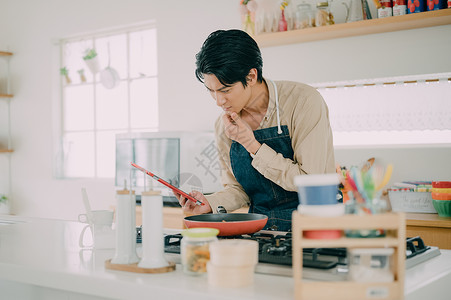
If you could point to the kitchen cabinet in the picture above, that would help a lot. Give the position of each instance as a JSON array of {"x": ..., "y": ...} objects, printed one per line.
[
  {"x": 365, "y": 27},
  {"x": 433, "y": 230},
  {"x": 5, "y": 118}
]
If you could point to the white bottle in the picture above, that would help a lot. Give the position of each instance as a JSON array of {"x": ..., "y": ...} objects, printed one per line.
[
  {"x": 152, "y": 231},
  {"x": 125, "y": 228}
]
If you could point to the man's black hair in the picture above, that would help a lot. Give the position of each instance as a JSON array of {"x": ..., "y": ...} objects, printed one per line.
[{"x": 229, "y": 55}]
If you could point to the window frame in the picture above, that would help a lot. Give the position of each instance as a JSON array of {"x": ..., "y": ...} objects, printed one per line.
[{"x": 60, "y": 131}]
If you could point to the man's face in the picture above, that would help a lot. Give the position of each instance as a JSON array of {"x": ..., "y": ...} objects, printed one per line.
[{"x": 231, "y": 98}]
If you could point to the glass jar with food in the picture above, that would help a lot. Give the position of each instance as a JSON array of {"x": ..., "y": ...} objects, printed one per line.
[
  {"x": 195, "y": 252},
  {"x": 323, "y": 15},
  {"x": 304, "y": 16}
]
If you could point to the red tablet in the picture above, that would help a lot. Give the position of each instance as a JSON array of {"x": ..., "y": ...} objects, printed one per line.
[{"x": 177, "y": 190}]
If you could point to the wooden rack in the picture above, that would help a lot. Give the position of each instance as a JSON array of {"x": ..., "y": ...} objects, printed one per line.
[
  {"x": 395, "y": 225},
  {"x": 365, "y": 27}
]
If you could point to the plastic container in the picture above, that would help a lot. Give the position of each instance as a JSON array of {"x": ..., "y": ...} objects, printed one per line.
[
  {"x": 441, "y": 184},
  {"x": 317, "y": 189},
  {"x": 441, "y": 190},
  {"x": 234, "y": 253},
  {"x": 230, "y": 277},
  {"x": 415, "y": 202},
  {"x": 443, "y": 208},
  {"x": 232, "y": 262},
  {"x": 334, "y": 210},
  {"x": 441, "y": 196},
  {"x": 195, "y": 251},
  {"x": 371, "y": 264}
]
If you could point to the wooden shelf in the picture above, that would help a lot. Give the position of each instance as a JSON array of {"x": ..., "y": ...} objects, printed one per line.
[
  {"x": 6, "y": 96},
  {"x": 5, "y": 53},
  {"x": 356, "y": 290},
  {"x": 6, "y": 150},
  {"x": 351, "y": 243},
  {"x": 388, "y": 220},
  {"x": 390, "y": 24},
  {"x": 349, "y": 290}
]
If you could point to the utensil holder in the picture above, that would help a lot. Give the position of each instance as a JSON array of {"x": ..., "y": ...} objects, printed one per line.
[
  {"x": 125, "y": 228},
  {"x": 152, "y": 233}
]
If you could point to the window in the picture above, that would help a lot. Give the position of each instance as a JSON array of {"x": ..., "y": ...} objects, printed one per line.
[
  {"x": 390, "y": 111},
  {"x": 95, "y": 107}
]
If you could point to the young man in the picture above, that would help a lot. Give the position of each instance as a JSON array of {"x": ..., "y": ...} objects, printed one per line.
[{"x": 268, "y": 133}]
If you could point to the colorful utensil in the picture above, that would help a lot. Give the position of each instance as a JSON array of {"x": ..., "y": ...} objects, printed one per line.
[{"x": 387, "y": 177}]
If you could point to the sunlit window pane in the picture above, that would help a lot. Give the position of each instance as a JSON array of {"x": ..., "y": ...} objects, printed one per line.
[
  {"x": 78, "y": 108},
  {"x": 117, "y": 55},
  {"x": 144, "y": 103},
  {"x": 416, "y": 112},
  {"x": 73, "y": 53},
  {"x": 79, "y": 154},
  {"x": 94, "y": 112},
  {"x": 143, "y": 53},
  {"x": 111, "y": 107},
  {"x": 105, "y": 157}
]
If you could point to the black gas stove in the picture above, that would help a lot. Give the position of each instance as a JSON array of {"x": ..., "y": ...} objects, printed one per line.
[{"x": 275, "y": 255}]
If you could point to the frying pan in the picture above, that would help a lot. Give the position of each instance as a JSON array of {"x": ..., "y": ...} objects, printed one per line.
[{"x": 228, "y": 224}]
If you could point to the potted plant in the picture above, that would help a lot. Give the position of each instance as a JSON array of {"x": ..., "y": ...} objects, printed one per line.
[
  {"x": 65, "y": 72},
  {"x": 91, "y": 59},
  {"x": 81, "y": 72},
  {"x": 4, "y": 207}
]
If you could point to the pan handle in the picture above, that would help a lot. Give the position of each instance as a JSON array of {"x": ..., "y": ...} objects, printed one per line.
[{"x": 221, "y": 210}]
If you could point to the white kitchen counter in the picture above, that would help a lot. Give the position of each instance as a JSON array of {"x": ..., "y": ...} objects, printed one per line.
[{"x": 44, "y": 254}]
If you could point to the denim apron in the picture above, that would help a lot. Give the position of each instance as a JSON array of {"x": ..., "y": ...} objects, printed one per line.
[{"x": 266, "y": 197}]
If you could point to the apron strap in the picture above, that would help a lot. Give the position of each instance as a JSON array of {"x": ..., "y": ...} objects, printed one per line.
[{"x": 279, "y": 129}]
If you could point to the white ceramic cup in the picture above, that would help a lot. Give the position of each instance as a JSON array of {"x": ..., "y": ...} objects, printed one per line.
[
  {"x": 101, "y": 234},
  {"x": 103, "y": 217}
]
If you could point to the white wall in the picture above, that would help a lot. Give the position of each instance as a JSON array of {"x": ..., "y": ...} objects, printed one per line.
[{"x": 29, "y": 27}]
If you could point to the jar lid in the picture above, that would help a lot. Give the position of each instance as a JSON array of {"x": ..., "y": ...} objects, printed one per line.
[
  {"x": 322, "y": 4},
  {"x": 200, "y": 232},
  {"x": 304, "y": 6},
  {"x": 316, "y": 179}
]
